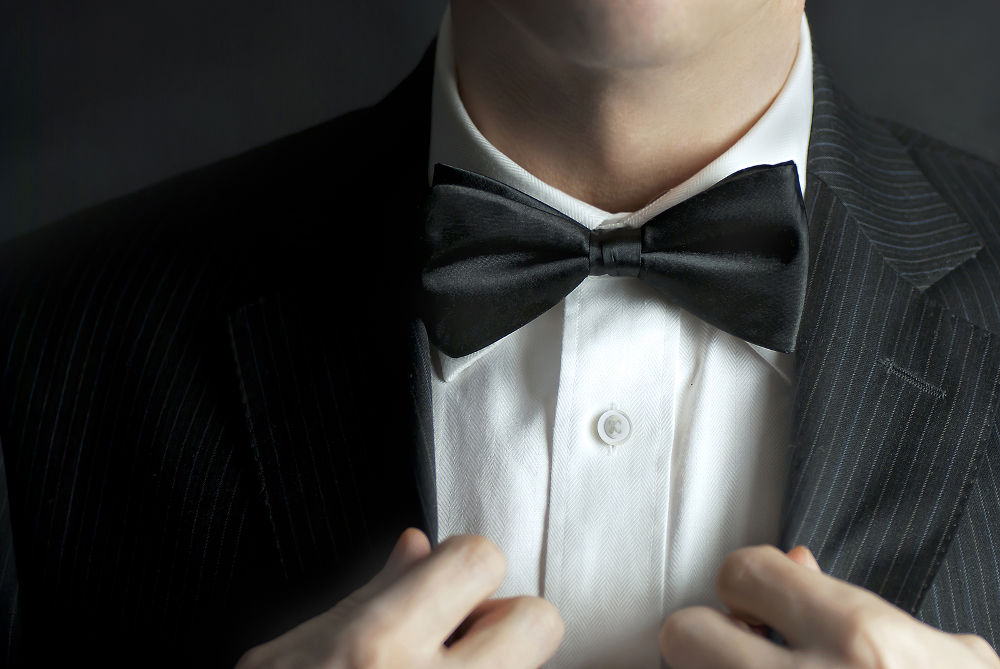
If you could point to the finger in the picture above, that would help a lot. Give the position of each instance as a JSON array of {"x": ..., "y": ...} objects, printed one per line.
[
  {"x": 429, "y": 600},
  {"x": 761, "y": 585},
  {"x": 803, "y": 556},
  {"x": 514, "y": 632},
  {"x": 703, "y": 637}
]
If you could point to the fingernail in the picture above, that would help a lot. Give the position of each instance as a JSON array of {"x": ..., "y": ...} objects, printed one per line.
[{"x": 807, "y": 559}]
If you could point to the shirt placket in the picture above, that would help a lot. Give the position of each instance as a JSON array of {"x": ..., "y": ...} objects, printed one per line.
[{"x": 610, "y": 469}]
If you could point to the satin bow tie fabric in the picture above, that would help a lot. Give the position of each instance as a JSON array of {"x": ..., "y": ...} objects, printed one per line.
[{"x": 495, "y": 258}]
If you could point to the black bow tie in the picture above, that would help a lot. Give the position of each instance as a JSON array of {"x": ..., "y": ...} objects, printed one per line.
[{"x": 496, "y": 259}]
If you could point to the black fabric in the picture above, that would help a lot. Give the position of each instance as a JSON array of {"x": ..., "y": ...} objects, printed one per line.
[
  {"x": 214, "y": 422},
  {"x": 496, "y": 259}
]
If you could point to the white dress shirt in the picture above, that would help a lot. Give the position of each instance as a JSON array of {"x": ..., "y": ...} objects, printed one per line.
[{"x": 616, "y": 448}]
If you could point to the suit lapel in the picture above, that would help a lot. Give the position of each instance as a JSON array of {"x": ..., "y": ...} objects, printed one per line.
[
  {"x": 332, "y": 364},
  {"x": 894, "y": 395}
]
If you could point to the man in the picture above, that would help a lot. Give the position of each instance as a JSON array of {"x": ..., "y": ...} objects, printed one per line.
[{"x": 224, "y": 397}]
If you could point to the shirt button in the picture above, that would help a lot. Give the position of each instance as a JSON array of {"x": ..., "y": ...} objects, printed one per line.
[{"x": 613, "y": 427}]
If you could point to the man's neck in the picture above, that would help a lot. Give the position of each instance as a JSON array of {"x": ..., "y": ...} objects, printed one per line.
[{"x": 617, "y": 137}]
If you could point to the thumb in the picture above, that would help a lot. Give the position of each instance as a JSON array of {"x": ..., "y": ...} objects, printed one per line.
[{"x": 803, "y": 556}]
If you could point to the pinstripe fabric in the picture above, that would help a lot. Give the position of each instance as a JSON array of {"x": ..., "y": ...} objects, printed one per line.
[
  {"x": 322, "y": 453},
  {"x": 9, "y": 596},
  {"x": 965, "y": 593},
  {"x": 207, "y": 438},
  {"x": 193, "y": 468},
  {"x": 896, "y": 389},
  {"x": 118, "y": 434}
]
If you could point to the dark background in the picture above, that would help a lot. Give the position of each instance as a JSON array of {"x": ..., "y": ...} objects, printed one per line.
[{"x": 98, "y": 99}]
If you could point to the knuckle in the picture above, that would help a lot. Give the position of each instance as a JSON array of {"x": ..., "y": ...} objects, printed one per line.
[
  {"x": 526, "y": 607},
  {"x": 363, "y": 648},
  {"x": 368, "y": 641},
  {"x": 743, "y": 566},
  {"x": 369, "y": 627},
  {"x": 864, "y": 633},
  {"x": 480, "y": 557},
  {"x": 980, "y": 646},
  {"x": 540, "y": 614},
  {"x": 359, "y": 638},
  {"x": 678, "y": 632},
  {"x": 673, "y": 630}
]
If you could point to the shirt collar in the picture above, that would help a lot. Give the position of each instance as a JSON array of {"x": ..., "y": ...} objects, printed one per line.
[{"x": 781, "y": 134}]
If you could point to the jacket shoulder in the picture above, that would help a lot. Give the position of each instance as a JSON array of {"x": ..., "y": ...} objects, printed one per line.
[
  {"x": 113, "y": 330},
  {"x": 198, "y": 244},
  {"x": 228, "y": 216},
  {"x": 193, "y": 212}
]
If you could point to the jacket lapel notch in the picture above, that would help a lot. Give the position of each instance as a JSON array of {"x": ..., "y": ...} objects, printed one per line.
[{"x": 900, "y": 211}]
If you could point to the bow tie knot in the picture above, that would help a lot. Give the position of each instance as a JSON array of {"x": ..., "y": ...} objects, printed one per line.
[
  {"x": 496, "y": 258},
  {"x": 615, "y": 252}
]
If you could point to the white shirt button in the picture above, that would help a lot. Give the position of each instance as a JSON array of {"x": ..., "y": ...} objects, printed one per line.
[{"x": 613, "y": 427}]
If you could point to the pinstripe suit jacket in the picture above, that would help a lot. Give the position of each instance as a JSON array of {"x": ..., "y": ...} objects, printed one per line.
[{"x": 215, "y": 418}]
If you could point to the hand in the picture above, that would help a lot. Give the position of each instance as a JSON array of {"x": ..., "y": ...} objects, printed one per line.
[
  {"x": 424, "y": 609},
  {"x": 827, "y": 623}
]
